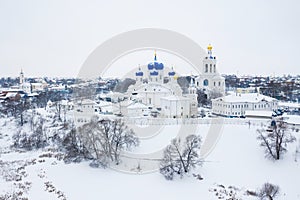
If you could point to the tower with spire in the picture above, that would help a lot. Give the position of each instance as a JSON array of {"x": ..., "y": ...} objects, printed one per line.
[
  {"x": 210, "y": 80},
  {"x": 210, "y": 62},
  {"x": 22, "y": 78}
]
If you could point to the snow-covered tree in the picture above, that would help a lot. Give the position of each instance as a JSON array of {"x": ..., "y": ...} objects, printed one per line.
[
  {"x": 268, "y": 192},
  {"x": 179, "y": 158},
  {"x": 33, "y": 139},
  {"x": 275, "y": 139},
  {"x": 75, "y": 151},
  {"x": 105, "y": 139}
]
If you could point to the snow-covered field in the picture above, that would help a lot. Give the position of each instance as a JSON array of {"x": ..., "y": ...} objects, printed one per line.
[{"x": 236, "y": 164}]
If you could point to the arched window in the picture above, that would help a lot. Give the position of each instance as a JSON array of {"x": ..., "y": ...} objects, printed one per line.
[
  {"x": 206, "y": 68},
  {"x": 214, "y": 68},
  {"x": 205, "y": 82},
  {"x": 210, "y": 68}
]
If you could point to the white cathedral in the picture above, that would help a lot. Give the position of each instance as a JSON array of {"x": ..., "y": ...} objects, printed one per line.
[{"x": 151, "y": 92}]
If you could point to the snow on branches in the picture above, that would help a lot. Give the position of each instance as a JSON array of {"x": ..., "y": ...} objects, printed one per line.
[
  {"x": 275, "y": 139},
  {"x": 180, "y": 157}
]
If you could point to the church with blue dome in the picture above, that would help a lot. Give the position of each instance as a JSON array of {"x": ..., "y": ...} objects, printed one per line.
[{"x": 156, "y": 90}]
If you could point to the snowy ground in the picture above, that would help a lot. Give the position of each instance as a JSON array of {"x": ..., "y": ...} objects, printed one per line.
[{"x": 236, "y": 164}]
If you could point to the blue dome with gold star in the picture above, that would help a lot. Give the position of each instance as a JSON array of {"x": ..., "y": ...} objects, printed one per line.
[{"x": 155, "y": 65}]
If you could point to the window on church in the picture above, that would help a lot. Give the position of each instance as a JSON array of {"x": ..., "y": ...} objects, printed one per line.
[
  {"x": 205, "y": 82},
  {"x": 214, "y": 83},
  {"x": 214, "y": 68},
  {"x": 206, "y": 68},
  {"x": 210, "y": 68},
  {"x": 219, "y": 83}
]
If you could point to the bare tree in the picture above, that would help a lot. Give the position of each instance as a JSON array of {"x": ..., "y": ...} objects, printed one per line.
[
  {"x": 268, "y": 192},
  {"x": 275, "y": 139},
  {"x": 215, "y": 94},
  {"x": 73, "y": 145},
  {"x": 34, "y": 139},
  {"x": 180, "y": 157},
  {"x": 123, "y": 86},
  {"x": 122, "y": 138},
  {"x": 105, "y": 139}
]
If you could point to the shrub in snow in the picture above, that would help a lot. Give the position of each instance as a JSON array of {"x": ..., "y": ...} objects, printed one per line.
[
  {"x": 179, "y": 158},
  {"x": 101, "y": 162},
  {"x": 28, "y": 140},
  {"x": 268, "y": 192},
  {"x": 275, "y": 139}
]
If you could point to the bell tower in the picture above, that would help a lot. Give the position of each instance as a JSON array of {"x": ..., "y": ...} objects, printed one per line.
[
  {"x": 209, "y": 62},
  {"x": 22, "y": 79}
]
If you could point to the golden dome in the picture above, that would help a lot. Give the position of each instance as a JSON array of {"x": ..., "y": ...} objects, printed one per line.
[{"x": 209, "y": 47}]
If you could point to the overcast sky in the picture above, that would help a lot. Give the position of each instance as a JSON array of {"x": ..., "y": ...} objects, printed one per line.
[{"x": 53, "y": 38}]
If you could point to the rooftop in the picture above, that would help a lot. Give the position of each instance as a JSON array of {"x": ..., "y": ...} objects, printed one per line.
[{"x": 249, "y": 97}]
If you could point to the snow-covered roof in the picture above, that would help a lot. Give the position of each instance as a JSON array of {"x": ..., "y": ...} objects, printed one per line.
[
  {"x": 33, "y": 94},
  {"x": 37, "y": 84},
  {"x": 87, "y": 102},
  {"x": 137, "y": 105},
  {"x": 126, "y": 102},
  {"x": 175, "y": 98},
  {"x": 13, "y": 90},
  {"x": 217, "y": 77},
  {"x": 152, "y": 87},
  {"x": 104, "y": 104},
  {"x": 11, "y": 94},
  {"x": 248, "y": 97},
  {"x": 289, "y": 104}
]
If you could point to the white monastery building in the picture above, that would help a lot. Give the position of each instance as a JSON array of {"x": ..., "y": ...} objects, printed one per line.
[{"x": 238, "y": 104}]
